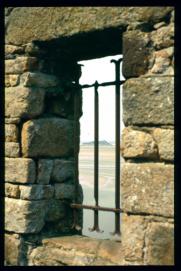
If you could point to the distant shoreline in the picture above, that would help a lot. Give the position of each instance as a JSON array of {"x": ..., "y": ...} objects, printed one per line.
[{"x": 101, "y": 142}]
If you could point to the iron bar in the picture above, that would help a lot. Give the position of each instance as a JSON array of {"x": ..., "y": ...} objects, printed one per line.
[
  {"x": 93, "y": 207},
  {"x": 105, "y": 84},
  {"x": 117, "y": 144},
  {"x": 96, "y": 157}
]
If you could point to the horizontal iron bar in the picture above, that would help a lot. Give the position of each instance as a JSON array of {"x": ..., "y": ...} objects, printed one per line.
[
  {"x": 112, "y": 83},
  {"x": 92, "y": 207}
]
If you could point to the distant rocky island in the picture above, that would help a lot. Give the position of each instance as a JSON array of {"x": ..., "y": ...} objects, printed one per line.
[{"x": 101, "y": 142}]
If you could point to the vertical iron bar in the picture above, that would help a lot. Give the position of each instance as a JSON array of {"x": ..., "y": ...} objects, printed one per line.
[
  {"x": 117, "y": 144},
  {"x": 96, "y": 151},
  {"x": 117, "y": 186},
  {"x": 96, "y": 156}
]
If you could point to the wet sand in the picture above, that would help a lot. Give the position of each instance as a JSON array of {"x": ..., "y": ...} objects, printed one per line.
[{"x": 106, "y": 187}]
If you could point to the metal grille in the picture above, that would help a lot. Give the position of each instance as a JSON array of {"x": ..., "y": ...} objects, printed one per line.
[{"x": 96, "y": 208}]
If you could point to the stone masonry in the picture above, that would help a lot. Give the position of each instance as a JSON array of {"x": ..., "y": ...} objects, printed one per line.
[{"x": 40, "y": 74}]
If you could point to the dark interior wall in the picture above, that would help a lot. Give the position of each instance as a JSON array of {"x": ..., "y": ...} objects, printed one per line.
[{"x": 85, "y": 46}]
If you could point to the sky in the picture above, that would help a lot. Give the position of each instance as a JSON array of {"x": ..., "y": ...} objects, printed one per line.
[{"x": 102, "y": 70}]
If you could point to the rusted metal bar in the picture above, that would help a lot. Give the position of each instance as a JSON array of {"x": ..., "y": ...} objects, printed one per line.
[
  {"x": 96, "y": 157},
  {"x": 105, "y": 84},
  {"x": 93, "y": 207},
  {"x": 117, "y": 144},
  {"x": 96, "y": 143}
]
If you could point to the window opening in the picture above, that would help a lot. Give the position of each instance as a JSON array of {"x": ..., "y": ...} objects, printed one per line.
[{"x": 99, "y": 158}]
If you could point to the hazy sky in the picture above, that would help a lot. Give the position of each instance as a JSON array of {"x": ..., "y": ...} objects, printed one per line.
[{"x": 103, "y": 71}]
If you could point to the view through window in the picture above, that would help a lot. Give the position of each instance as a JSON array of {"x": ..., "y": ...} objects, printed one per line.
[{"x": 102, "y": 70}]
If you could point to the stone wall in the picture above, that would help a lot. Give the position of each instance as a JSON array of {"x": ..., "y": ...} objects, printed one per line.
[
  {"x": 148, "y": 144},
  {"x": 39, "y": 148},
  {"x": 41, "y": 71}
]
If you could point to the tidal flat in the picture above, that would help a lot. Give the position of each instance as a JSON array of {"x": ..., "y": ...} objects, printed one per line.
[{"x": 106, "y": 187}]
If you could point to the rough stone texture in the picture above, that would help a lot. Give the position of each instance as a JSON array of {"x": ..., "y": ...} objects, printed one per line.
[
  {"x": 8, "y": 10},
  {"x": 32, "y": 49},
  {"x": 12, "y": 49},
  {"x": 173, "y": 62},
  {"x": 10, "y": 56},
  {"x": 70, "y": 250},
  {"x": 66, "y": 191},
  {"x": 22, "y": 216},
  {"x": 12, "y": 149},
  {"x": 148, "y": 188},
  {"x": 6, "y": 21},
  {"x": 51, "y": 137},
  {"x": 62, "y": 107},
  {"x": 11, "y": 133},
  {"x": 79, "y": 250},
  {"x": 36, "y": 192},
  {"x": 45, "y": 167},
  {"x": 12, "y": 190},
  {"x": 11, "y": 80},
  {"x": 24, "y": 23},
  {"x": 159, "y": 242},
  {"x": 55, "y": 210},
  {"x": 153, "y": 218},
  {"x": 62, "y": 170},
  {"x": 148, "y": 101},
  {"x": 82, "y": 251},
  {"x": 62, "y": 226},
  {"x": 110, "y": 251},
  {"x": 165, "y": 141},
  {"x": 40, "y": 256},
  {"x": 163, "y": 62},
  {"x": 137, "y": 144},
  {"x": 133, "y": 231},
  {"x": 12, "y": 121},
  {"x": 30, "y": 79},
  {"x": 158, "y": 25},
  {"x": 20, "y": 64},
  {"x": 163, "y": 37},
  {"x": 136, "y": 53},
  {"x": 23, "y": 102},
  {"x": 19, "y": 170},
  {"x": 102, "y": 262},
  {"x": 12, "y": 248},
  {"x": 172, "y": 16}
]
